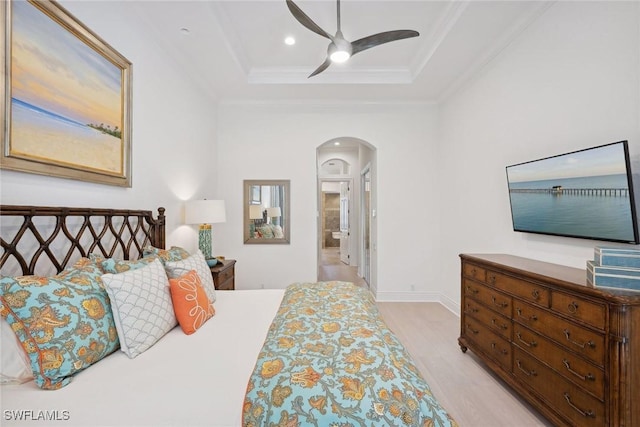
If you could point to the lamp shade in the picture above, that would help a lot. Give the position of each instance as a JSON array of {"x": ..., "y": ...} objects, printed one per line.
[
  {"x": 274, "y": 212},
  {"x": 204, "y": 212},
  {"x": 255, "y": 212}
]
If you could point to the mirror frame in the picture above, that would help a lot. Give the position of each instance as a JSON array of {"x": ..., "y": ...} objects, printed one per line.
[{"x": 248, "y": 183}]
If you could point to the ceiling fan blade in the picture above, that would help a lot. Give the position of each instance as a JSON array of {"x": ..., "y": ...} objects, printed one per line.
[
  {"x": 321, "y": 68},
  {"x": 305, "y": 20},
  {"x": 381, "y": 38}
]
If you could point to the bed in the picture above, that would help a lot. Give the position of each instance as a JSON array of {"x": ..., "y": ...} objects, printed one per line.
[{"x": 312, "y": 354}]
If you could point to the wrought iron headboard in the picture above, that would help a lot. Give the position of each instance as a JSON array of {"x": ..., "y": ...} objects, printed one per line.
[{"x": 37, "y": 239}]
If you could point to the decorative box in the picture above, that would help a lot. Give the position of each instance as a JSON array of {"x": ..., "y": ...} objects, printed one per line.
[
  {"x": 617, "y": 257},
  {"x": 613, "y": 277}
]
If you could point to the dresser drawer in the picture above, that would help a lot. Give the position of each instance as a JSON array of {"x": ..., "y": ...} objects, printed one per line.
[
  {"x": 526, "y": 290},
  {"x": 497, "y": 323},
  {"x": 579, "y": 308},
  {"x": 572, "y": 367},
  {"x": 578, "y": 339},
  {"x": 570, "y": 400},
  {"x": 497, "y": 301},
  {"x": 474, "y": 272},
  {"x": 489, "y": 343}
]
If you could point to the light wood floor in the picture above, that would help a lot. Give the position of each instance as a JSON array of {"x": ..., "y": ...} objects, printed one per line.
[
  {"x": 466, "y": 389},
  {"x": 331, "y": 268}
]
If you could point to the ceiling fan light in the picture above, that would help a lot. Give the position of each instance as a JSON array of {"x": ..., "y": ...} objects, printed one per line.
[
  {"x": 340, "y": 56},
  {"x": 340, "y": 49}
]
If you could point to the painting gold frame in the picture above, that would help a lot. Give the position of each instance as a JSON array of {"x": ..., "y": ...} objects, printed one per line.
[{"x": 53, "y": 130}]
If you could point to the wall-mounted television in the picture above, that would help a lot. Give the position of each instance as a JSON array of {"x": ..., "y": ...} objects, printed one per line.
[{"x": 586, "y": 194}]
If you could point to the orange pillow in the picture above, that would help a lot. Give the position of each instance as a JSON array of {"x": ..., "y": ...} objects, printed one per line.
[{"x": 190, "y": 302}]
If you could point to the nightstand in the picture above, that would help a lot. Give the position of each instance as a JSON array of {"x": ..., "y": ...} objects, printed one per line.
[{"x": 224, "y": 275}]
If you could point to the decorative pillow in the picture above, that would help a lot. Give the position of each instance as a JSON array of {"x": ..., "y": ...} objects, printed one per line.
[
  {"x": 199, "y": 264},
  {"x": 63, "y": 322},
  {"x": 15, "y": 367},
  {"x": 277, "y": 232},
  {"x": 175, "y": 253},
  {"x": 115, "y": 266},
  {"x": 190, "y": 302},
  {"x": 266, "y": 231},
  {"x": 141, "y": 304}
]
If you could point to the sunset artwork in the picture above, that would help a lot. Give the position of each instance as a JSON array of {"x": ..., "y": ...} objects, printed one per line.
[{"x": 67, "y": 104}]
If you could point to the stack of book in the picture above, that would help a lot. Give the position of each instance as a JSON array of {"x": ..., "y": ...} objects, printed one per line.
[{"x": 615, "y": 268}]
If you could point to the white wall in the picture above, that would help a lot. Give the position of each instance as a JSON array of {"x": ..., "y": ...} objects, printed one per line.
[
  {"x": 279, "y": 141},
  {"x": 173, "y": 137},
  {"x": 571, "y": 81}
]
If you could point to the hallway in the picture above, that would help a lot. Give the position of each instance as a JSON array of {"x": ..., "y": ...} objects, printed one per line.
[{"x": 331, "y": 268}]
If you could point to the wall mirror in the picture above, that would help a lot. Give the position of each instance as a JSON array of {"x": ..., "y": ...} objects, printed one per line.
[{"x": 266, "y": 212}]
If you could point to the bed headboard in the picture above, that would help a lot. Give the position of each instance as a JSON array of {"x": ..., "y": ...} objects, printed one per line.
[{"x": 44, "y": 240}]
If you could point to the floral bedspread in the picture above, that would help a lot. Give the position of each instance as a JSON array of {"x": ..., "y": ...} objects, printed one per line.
[{"x": 329, "y": 360}]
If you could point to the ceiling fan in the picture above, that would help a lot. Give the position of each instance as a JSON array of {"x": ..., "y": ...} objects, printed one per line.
[{"x": 341, "y": 49}]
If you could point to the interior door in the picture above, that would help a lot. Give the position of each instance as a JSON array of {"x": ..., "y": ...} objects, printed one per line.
[
  {"x": 345, "y": 195},
  {"x": 366, "y": 225}
]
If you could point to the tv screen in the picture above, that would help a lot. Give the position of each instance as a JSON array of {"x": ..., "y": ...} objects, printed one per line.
[{"x": 586, "y": 194}]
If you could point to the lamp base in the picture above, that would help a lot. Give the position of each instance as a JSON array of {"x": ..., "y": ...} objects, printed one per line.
[{"x": 204, "y": 240}]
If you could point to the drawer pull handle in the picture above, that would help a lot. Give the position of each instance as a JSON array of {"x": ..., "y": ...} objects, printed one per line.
[
  {"x": 526, "y": 372},
  {"x": 535, "y": 294},
  {"x": 472, "y": 309},
  {"x": 503, "y": 326},
  {"x": 533, "y": 317},
  {"x": 528, "y": 344},
  {"x": 474, "y": 331},
  {"x": 492, "y": 279},
  {"x": 471, "y": 290},
  {"x": 581, "y": 345},
  {"x": 473, "y": 272},
  {"x": 572, "y": 308},
  {"x": 589, "y": 376},
  {"x": 495, "y": 347},
  {"x": 499, "y": 304},
  {"x": 588, "y": 413}
]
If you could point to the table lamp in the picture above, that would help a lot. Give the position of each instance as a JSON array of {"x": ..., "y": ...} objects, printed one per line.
[{"x": 205, "y": 213}]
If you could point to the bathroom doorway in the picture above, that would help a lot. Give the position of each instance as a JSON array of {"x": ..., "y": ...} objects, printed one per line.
[{"x": 340, "y": 244}]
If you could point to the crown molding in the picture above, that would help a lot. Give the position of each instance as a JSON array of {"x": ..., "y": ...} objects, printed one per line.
[
  {"x": 229, "y": 35},
  {"x": 440, "y": 32},
  {"x": 300, "y": 75},
  {"x": 508, "y": 37}
]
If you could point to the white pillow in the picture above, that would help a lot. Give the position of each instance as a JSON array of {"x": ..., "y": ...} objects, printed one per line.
[
  {"x": 141, "y": 305},
  {"x": 15, "y": 367},
  {"x": 195, "y": 262}
]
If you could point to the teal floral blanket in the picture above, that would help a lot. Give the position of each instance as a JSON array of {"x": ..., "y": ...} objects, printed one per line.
[{"x": 329, "y": 360}]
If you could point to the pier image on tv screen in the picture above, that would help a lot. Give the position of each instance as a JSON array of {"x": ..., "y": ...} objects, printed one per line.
[{"x": 586, "y": 194}]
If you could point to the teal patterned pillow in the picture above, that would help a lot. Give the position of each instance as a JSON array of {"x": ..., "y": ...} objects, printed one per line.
[
  {"x": 63, "y": 322},
  {"x": 266, "y": 231},
  {"x": 175, "y": 253},
  {"x": 114, "y": 266}
]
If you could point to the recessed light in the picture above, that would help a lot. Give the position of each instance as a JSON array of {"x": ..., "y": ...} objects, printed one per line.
[
  {"x": 290, "y": 41},
  {"x": 185, "y": 31},
  {"x": 336, "y": 143}
]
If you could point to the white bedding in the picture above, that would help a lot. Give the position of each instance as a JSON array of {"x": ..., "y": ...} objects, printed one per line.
[{"x": 183, "y": 380}]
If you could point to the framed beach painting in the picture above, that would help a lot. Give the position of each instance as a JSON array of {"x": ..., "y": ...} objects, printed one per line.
[{"x": 66, "y": 94}]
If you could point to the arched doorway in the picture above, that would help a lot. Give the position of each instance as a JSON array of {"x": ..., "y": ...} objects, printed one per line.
[{"x": 344, "y": 220}]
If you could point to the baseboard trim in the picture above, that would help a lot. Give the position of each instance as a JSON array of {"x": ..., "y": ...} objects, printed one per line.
[
  {"x": 452, "y": 305},
  {"x": 447, "y": 302},
  {"x": 408, "y": 297}
]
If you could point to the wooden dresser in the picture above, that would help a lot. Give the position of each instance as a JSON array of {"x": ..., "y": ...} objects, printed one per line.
[
  {"x": 571, "y": 350},
  {"x": 224, "y": 275}
]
